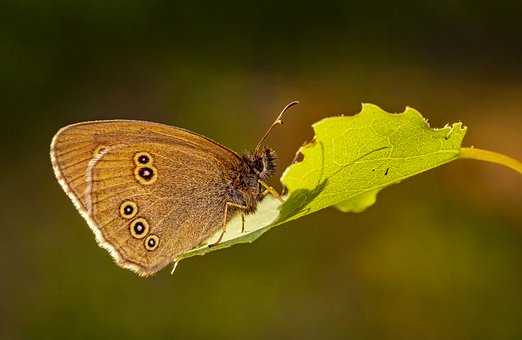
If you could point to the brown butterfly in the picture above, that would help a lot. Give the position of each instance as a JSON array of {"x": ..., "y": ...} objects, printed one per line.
[{"x": 151, "y": 192}]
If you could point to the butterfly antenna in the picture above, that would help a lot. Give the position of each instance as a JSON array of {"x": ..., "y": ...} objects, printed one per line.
[{"x": 279, "y": 120}]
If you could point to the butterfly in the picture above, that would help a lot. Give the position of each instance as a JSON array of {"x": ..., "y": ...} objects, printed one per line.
[{"x": 151, "y": 192}]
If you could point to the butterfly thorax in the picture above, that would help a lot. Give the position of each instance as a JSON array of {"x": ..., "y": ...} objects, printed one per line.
[{"x": 245, "y": 188}]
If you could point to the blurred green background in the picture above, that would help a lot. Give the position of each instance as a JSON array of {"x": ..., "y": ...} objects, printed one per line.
[{"x": 438, "y": 257}]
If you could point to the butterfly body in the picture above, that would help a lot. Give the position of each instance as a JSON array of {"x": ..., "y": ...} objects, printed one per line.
[
  {"x": 151, "y": 192},
  {"x": 245, "y": 189}
]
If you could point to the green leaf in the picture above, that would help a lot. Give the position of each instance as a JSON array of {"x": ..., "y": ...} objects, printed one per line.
[
  {"x": 355, "y": 157},
  {"x": 347, "y": 163},
  {"x": 359, "y": 204}
]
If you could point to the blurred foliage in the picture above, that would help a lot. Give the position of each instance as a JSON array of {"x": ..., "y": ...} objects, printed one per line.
[{"x": 437, "y": 257}]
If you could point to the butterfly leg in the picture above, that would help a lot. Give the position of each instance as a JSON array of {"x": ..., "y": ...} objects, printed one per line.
[
  {"x": 174, "y": 267},
  {"x": 225, "y": 217},
  {"x": 242, "y": 222},
  {"x": 271, "y": 190}
]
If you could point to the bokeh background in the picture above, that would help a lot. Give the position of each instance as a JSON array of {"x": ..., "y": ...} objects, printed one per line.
[{"x": 438, "y": 257}]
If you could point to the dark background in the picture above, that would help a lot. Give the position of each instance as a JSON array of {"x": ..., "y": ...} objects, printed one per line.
[{"x": 438, "y": 257}]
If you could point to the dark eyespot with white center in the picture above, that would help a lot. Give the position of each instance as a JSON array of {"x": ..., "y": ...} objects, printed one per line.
[
  {"x": 146, "y": 174},
  {"x": 139, "y": 228},
  {"x": 151, "y": 242},
  {"x": 128, "y": 209},
  {"x": 143, "y": 158}
]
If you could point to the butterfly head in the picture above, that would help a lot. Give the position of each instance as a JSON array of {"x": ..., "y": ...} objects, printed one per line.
[{"x": 262, "y": 163}]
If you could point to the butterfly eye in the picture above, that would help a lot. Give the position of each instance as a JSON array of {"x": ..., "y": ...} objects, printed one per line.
[
  {"x": 151, "y": 242},
  {"x": 128, "y": 209},
  {"x": 142, "y": 158},
  {"x": 139, "y": 228},
  {"x": 146, "y": 175}
]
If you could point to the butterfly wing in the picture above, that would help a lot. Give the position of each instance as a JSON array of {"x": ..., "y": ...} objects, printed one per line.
[{"x": 148, "y": 191}]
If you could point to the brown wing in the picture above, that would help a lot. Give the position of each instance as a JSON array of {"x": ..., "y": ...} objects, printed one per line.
[{"x": 148, "y": 191}]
